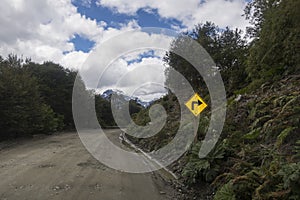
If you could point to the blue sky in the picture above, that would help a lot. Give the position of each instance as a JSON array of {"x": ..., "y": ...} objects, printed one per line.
[
  {"x": 65, "y": 31},
  {"x": 145, "y": 16},
  {"x": 100, "y": 13},
  {"x": 114, "y": 19},
  {"x": 68, "y": 32}
]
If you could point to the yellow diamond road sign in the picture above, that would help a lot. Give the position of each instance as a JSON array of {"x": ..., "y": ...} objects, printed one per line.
[{"x": 195, "y": 104}]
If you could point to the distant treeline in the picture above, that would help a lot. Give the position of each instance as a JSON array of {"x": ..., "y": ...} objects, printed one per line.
[{"x": 37, "y": 98}]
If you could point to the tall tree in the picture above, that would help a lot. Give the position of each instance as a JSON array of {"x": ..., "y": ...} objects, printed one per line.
[
  {"x": 256, "y": 12},
  {"x": 21, "y": 108},
  {"x": 276, "y": 51},
  {"x": 226, "y": 47},
  {"x": 56, "y": 87}
]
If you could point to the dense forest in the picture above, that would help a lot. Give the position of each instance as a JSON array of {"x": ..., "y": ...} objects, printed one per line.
[
  {"x": 258, "y": 154},
  {"x": 37, "y": 99}
]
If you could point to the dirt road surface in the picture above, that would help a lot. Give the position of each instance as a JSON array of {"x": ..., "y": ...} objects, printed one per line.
[{"x": 59, "y": 167}]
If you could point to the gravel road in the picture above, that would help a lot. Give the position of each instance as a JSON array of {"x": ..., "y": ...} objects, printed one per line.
[{"x": 59, "y": 167}]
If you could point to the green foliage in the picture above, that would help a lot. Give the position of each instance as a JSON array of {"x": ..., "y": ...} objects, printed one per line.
[
  {"x": 207, "y": 168},
  {"x": 134, "y": 107},
  {"x": 103, "y": 111},
  {"x": 262, "y": 130},
  {"x": 297, "y": 150},
  {"x": 162, "y": 138},
  {"x": 225, "y": 193},
  {"x": 203, "y": 126},
  {"x": 259, "y": 160},
  {"x": 246, "y": 186},
  {"x": 291, "y": 177},
  {"x": 280, "y": 181},
  {"x": 56, "y": 87},
  {"x": 37, "y": 98},
  {"x": 252, "y": 134},
  {"x": 22, "y": 110},
  {"x": 49, "y": 120},
  {"x": 276, "y": 51},
  {"x": 226, "y": 47},
  {"x": 282, "y": 136},
  {"x": 256, "y": 12}
]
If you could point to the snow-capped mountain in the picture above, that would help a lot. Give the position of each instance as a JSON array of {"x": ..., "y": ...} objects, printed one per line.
[{"x": 107, "y": 95}]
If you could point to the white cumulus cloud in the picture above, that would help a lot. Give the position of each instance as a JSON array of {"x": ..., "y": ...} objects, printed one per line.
[
  {"x": 123, "y": 66},
  {"x": 43, "y": 29},
  {"x": 188, "y": 12}
]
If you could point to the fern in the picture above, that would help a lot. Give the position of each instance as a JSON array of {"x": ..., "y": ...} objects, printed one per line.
[
  {"x": 281, "y": 137},
  {"x": 291, "y": 175},
  {"x": 207, "y": 168},
  {"x": 252, "y": 134},
  {"x": 297, "y": 150},
  {"x": 225, "y": 193}
]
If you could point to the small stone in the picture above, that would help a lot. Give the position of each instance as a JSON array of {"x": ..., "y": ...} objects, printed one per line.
[
  {"x": 238, "y": 98},
  {"x": 97, "y": 187},
  {"x": 56, "y": 188},
  {"x": 67, "y": 187}
]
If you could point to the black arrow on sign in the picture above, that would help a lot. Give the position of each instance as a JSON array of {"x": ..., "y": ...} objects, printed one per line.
[{"x": 198, "y": 103}]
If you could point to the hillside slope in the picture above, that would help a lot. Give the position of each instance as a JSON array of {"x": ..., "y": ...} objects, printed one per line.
[{"x": 257, "y": 156}]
